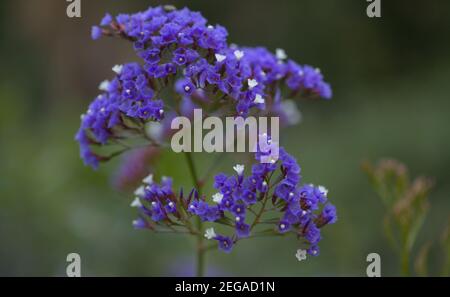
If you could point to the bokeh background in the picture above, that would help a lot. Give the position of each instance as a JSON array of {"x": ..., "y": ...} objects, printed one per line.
[{"x": 390, "y": 78}]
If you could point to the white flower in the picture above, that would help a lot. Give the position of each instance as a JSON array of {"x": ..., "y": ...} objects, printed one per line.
[
  {"x": 239, "y": 169},
  {"x": 217, "y": 197},
  {"x": 117, "y": 69},
  {"x": 301, "y": 254},
  {"x": 136, "y": 202},
  {"x": 104, "y": 85},
  {"x": 252, "y": 83},
  {"x": 259, "y": 99},
  {"x": 238, "y": 54},
  {"x": 148, "y": 180},
  {"x": 220, "y": 57},
  {"x": 281, "y": 54},
  {"x": 323, "y": 190},
  {"x": 140, "y": 192},
  {"x": 210, "y": 234}
]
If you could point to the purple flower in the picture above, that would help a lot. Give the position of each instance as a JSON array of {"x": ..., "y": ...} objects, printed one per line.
[
  {"x": 313, "y": 250},
  {"x": 140, "y": 223},
  {"x": 96, "y": 32},
  {"x": 225, "y": 243},
  {"x": 242, "y": 229},
  {"x": 284, "y": 226},
  {"x": 327, "y": 216}
]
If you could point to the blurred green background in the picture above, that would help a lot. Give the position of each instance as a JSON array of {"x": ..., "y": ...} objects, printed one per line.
[{"x": 390, "y": 78}]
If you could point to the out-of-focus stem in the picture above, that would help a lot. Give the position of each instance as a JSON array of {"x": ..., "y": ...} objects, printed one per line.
[{"x": 200, "y": 248}]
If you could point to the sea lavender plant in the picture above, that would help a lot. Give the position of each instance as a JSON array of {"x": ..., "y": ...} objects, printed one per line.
[
  {"x": 406, "y": 202},
  {"x": 184, "y": 63}
]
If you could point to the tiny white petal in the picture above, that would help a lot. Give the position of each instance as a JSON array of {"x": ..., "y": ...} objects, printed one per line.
[
  {"x": 140, "y": 192},
  {"x": 238, "y": 54},
  {"x": 220, "y": 57},
  {"x": 82, "y": 116},
  {"x": 259, "y": 99},
  {"x": 217, "y": 197},
  {"x": 210, "y": 27},
  {"x": 323, "y": 190},
  {"x": 264, "y": 183},
  {"x": 239, "y": 169},
  {"x": 318, "y": 70},
  {"x": 210, "y": 233},
  {"x": 281, "y": 54},
  {"x": 117, "y": 69},
  {"x": 301, "y": 254},
  {"x": 252, "y": 83},
  {"x": 161, "y": 111},
  {"x": 148, "y": 180},
  {"x": 171, "y": 204},
  {"x": 153, "y": 203},
  {"x": 238, "y": 219},
  {"x": 136, "y": 202},
  {"x": 104, "y": 85}
]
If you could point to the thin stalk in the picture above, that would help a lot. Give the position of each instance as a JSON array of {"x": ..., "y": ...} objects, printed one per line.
[{"x": 200, "y": 248}]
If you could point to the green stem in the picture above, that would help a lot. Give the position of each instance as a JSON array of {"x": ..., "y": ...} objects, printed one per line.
[
  {"x": 405, "y": 261},
  {"x": 200, "y": 248}
]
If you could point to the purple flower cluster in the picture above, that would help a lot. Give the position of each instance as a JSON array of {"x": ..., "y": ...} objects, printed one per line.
[
  {"x": 155, "y": 201},
  {"x": 180, "y": 42},
  {"x": 180, "y": 51},
  {"x": 191, "y": 61},
  {"x": 298, "y": 204},
  {"x": 130, "y": 95},
  {"x": 301, "y": 209}
]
